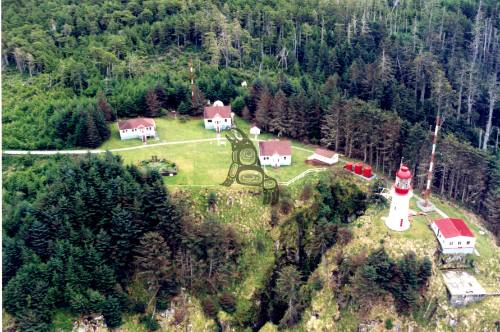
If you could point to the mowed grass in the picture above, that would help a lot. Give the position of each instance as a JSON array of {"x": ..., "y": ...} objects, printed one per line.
[
  {"x": 200, "y": 163},
  {"x": 168, "y": 130}
]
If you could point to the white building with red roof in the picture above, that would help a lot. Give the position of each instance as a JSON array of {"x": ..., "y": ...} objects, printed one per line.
[
  {"x": 141, "y": 128},
  {"x": 324, "y": 156},
  {"x": 454, "y": 236},
  {"x": 275, "y": 153},
  {"x": 218, "y": 116}
]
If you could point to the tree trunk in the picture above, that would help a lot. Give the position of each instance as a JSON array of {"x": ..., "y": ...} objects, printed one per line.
[{"x": 492, "y": 96}]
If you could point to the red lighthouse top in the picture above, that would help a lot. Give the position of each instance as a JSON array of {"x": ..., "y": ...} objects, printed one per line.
[{"x": 403, "y": 180}]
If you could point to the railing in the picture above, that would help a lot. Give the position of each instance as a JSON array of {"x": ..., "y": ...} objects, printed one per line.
[{"x": 303, "y": 174}]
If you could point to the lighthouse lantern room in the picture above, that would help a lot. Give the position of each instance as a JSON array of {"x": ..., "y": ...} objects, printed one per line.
[{"x": 401, "y": 193}]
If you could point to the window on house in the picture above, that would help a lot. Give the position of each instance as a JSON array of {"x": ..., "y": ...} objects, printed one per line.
[
  {"x": 225, "y": 120},
  {"x": 451, "y": 243},
  {"x": 459, "y": 243},
  {"x": 468, "y": 242},
  {"x": 209, "y": 121},
  {"x": 284, "y": 158}
]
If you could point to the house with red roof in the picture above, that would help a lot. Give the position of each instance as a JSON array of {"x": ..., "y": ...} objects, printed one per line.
[
  {"x": 454, "y": 236},
  {"x": 324, "y": 156},
  {"x": 141, "y": 128},
  {"x": 217, "y": 116},
  {"x": 275, "y": 153}
]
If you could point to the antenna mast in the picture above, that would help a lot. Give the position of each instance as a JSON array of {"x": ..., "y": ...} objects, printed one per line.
[
  {"x": 191, "y": 77},
  {"x": 427, "y": 191}
]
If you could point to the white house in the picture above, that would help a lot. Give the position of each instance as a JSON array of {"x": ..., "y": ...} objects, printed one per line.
[
  {"x": 254, "y": 130},
  {"x": 324, "y": 156},
  {"x": 275, "y": 153},
  {"x": 141, "y": 128},
  {"x": 454, "y": 236},
  {"x": 217, "y": 116}
]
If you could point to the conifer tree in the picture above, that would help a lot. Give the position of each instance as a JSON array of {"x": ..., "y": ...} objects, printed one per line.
[
  {"x": 39, "y": 238},
  {"x": 152, "y": 261},
  {"x": 152, "y": 103},
  {"x": 111, "y": 311},
  {"x": 262, "y": 113},
  {"x": 104, "y": 107}
]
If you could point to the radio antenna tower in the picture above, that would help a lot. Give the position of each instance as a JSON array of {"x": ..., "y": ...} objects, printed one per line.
[
  {"x": 426, "y": 194},
  {"x": 191, "y": 78}
]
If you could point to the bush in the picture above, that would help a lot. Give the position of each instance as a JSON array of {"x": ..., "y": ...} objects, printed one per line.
[
  {"x": 139, "y": 307},
  {"x": 209, "y": 307},
  {"x": 150, "y": 322},
  {"x": 161, "y": 304},
  {"x": 212, "y": 199},
  {"x": 286, "y": 205},
  {"x": 237, "y": 105},
  {"x": 228, "y": 302},
  {"x": 388, "y": 324},
  {"x": 179, "y": 315},
  {"x": 275, "y": 217},
  {"x": 306, "y": 193}
]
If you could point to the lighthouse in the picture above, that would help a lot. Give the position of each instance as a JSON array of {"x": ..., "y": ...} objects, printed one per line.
[{"x": 400, "y": 201}]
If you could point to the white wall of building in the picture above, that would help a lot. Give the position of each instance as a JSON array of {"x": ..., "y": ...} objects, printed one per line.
[
  {"x": 275, "y": 160},
  {"x": 225, "y": 123},
  {"x": 399, "y": 210},
  {"x": 454, "y": 245},
  {"x": 138, "y": 132}
]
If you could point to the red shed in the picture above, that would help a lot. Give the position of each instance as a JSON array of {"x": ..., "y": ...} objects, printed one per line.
[{"x": 348, "y": 166}]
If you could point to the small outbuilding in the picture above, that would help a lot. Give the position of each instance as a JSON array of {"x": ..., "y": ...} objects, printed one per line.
[
  {"x": 462, "y": 288},
  {"x": 141, "y": 128},
  {"x": 275, "y": 153},
  {"x": 254, "y": 130},
  {"x": 324, "y": 156},
  {"x": 217, "y": 116},
  {"x": 454, "y": 236}
]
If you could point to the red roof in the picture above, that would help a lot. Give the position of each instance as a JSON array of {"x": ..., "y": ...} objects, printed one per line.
[
  {"x": 324, "y": 153},
  {"x": 136, "y": 123},
  {"x": 211, "y": 111},
  {"x": 404, "y": 173},
  {"x": 451, "y": 227},
  {"x": 282, "y": 148}
]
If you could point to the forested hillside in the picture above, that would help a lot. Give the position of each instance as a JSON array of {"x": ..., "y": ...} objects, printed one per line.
[
  {"x": 89, "y": 234},
  {"x": 366, "y": 78}
]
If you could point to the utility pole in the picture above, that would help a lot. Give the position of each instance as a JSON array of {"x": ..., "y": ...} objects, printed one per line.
[{"x": 191, "y": 77}]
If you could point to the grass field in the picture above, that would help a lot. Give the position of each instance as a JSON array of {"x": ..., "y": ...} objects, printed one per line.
[{"x": 199, "y": 163}]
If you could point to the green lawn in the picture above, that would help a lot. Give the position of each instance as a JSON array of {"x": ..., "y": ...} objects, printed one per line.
[
  {"x": 168, "y": 130},
  {"x": 200, "y": 163}
]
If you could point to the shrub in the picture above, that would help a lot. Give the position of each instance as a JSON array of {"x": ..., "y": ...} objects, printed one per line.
[
  {"x": 139, "y": 307},
  {"x": 179, "y": 315},
  {"x": 286, "y": 205},
  {"x": 275, "y": 217},
  {"x": 150, "y": 322},
  {"x": 388, "y": 324},
  {"x": 228, "y": 302},
  {"x": 209, "y": 307},
  {"x": 212, "y": 199},
  {"x": 306, "y": 193}
]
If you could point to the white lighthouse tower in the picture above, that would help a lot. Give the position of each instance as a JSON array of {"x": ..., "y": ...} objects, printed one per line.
[{"x": 401, "y": 192}]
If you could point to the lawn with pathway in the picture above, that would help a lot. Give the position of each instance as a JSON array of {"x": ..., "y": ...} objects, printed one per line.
[{"x": 200, "y": 163}]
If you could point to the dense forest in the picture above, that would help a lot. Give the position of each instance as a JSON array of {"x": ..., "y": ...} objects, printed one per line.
[
  {"x": 365, "y": 78},
  {"x": 103, "y": 237},
  {"x": 90, "y": 229}
]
